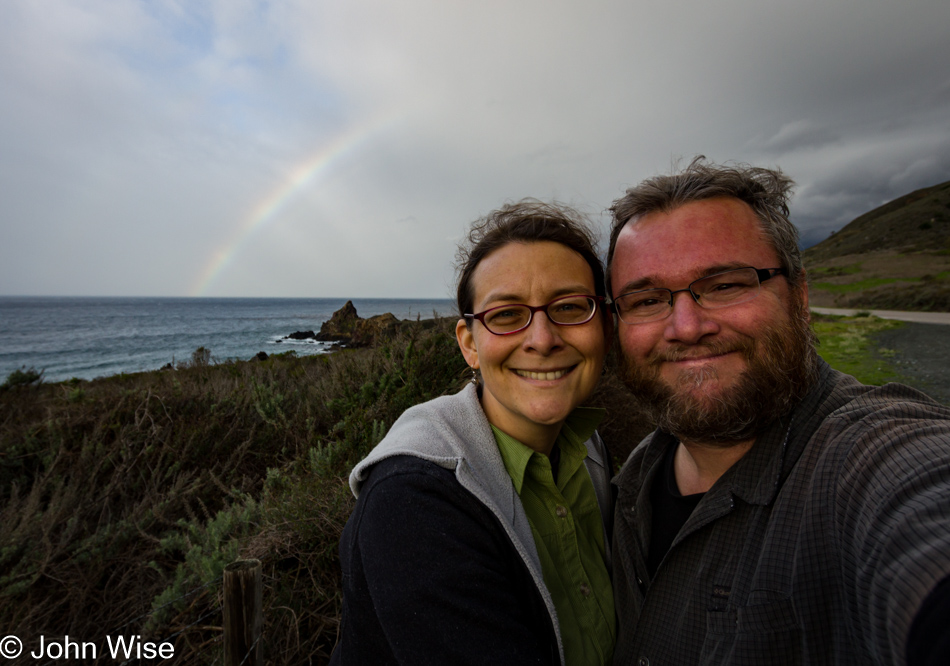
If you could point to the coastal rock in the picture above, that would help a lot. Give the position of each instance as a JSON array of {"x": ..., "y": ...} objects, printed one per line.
[
  {"x": 375, "y": 329},
  {"x": 260, "y": 356},
  {"x": 301, "y": 335},
  {"x": 341, "y": 324},
  {"x": 348, "y": 327}
]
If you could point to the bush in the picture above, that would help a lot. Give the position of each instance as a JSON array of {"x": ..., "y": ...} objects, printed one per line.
[
  {"x": 121, "y": 499},
  {"x": 22, "y": 377}
]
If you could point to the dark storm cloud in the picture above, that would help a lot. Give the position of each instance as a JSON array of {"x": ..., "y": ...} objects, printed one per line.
[
  {"x": 141, "y": 145},
  {"x": 799, "y": 135},
  {"x": 861, "y": 185}
]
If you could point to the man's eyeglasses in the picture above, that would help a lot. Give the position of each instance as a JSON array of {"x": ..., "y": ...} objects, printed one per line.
[
  {"x": 564, "y": 311},
  {"x": 713, "y": 291}
]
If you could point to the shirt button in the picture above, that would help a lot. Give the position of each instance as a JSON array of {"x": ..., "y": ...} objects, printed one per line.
[
  {"x": 643, "y": 661},
  {"x": 561, "y": 511},
  {"x": 585, "y": 589}
]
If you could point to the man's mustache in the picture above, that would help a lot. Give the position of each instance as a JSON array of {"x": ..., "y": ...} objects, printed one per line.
[{"x": 701, "y": 350}]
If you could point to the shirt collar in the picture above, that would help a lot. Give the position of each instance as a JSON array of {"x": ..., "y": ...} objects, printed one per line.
[
  {"x": 756, "y": 477},
  {"x": 578, "y": 427}
]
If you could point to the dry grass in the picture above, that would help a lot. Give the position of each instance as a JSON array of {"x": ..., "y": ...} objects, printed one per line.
[
  {"x": 125, "y": 493},
  {"x": 884, "y": 280},
  {"x": 888, "y": 258},
  {"x": 915, "y": 222},
  {"x": 124, "y": 498}
]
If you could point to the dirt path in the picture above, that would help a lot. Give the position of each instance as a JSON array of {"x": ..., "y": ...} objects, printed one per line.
[
  {"x": 922, "y": 356},
  {"x": 920, "y": 317}
]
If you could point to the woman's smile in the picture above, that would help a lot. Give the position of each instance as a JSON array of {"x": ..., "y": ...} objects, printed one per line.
[{"x": 543, "y": 375}]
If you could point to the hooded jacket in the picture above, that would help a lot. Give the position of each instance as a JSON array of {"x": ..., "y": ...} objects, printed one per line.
[{"x": 439, "y": 562}]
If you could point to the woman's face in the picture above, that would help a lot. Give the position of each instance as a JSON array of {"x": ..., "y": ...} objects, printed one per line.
[{"x": 534, "y": 378}]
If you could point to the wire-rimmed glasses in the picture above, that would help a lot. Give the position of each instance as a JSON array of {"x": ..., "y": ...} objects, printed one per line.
[
  {"x": 713, "y": 291},
  {"x": 513, "y": 317}
]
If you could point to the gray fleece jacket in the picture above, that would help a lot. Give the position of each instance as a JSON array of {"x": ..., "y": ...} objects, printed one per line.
[{"x": 453, "y": 432}]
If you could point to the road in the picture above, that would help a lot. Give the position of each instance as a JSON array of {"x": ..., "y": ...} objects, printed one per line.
[
  {"x": 918, "y": 317},
  {"x": 919, "y": 351}
]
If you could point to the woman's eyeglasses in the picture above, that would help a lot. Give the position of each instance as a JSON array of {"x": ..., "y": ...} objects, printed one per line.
[{"x": 564, "y": 311}]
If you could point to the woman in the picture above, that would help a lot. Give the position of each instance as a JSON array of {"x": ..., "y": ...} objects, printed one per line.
[{"x": 480, "y": 534}]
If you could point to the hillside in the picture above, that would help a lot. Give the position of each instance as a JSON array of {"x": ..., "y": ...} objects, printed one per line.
[
  {"x": 123, "y": 498},
  {"x": 895, "y": 257}
]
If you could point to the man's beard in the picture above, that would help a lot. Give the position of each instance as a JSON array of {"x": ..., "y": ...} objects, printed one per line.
[{"x": 782, "y": 366}]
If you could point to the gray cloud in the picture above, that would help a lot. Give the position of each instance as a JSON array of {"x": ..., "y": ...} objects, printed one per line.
[
  {"x": 139, "y": 143},
  {"x": 798, "y": 135}
]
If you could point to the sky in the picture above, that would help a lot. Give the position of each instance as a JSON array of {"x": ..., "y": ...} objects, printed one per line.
[{"x": 306, "y": 148}]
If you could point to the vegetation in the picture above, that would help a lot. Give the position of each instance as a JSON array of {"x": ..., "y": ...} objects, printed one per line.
[
  {"x": 895, "y": 257},
  {"x": 22, "y": 377},
  {"x": 130, "y": 494},
  {"x": 124, "y": 498},
  {"x": 860, "y": 285},
  {"x": 928, "y": 295},
  {"x": 847, "y": 345},
  {"x": 834, "y": 271},
  {"x": 886, "y": 281},
  {"x": 916, "y": 222}
]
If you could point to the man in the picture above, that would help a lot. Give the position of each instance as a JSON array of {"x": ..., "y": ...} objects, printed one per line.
[{"x": 782, "y": 512}]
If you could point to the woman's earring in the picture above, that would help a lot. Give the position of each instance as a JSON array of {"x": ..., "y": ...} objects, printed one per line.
[{"x": 474, "y": 378}]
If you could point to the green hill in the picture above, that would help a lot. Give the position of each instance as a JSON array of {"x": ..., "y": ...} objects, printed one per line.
[{"x": 895, "y": 257}]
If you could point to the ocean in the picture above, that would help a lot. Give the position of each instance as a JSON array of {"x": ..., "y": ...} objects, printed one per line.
[{"x": 88, "y": 337}]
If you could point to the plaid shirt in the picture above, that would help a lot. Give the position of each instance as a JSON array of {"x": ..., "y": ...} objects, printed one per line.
[{"x": 817, "y": 547}]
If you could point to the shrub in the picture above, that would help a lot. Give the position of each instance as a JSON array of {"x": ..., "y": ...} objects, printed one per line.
[
  {"x": 23, "y": 377},
  {"x": 121, "y": 499},
  {"x": 200, "y": 357}
]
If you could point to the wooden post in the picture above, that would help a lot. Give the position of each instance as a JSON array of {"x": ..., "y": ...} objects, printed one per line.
[{"x": 243, "y": 614}]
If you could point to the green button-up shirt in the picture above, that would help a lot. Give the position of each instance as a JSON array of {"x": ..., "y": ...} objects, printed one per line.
[{"x": 568, "y": 532}]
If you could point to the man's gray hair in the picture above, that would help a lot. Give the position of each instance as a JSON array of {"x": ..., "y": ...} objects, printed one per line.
[{"x": 766, "y": 191}]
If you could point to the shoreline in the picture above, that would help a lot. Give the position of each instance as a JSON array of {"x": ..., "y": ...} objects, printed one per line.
[
  {"x": 91, "y": 338},
  {"x": 282, "y": 350}
]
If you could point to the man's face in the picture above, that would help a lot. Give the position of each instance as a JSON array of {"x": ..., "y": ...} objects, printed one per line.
[{"x": 711, "y": 374}]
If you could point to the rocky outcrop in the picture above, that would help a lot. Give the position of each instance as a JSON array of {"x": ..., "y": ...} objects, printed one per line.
[
  {"x": 301, "y": 335},
  {"x": 375, "y": 329},
  {"x": 341, "y": 325},
  {"x": 348, "y": 327}
]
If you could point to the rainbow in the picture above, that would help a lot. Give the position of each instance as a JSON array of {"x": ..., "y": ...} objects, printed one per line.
[{"x": 267, "y": 210}]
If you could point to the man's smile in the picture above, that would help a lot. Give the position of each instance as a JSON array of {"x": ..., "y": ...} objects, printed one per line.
[
  {"x": 698, "y": 359},
  {"x": 691, "y": 355}
]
